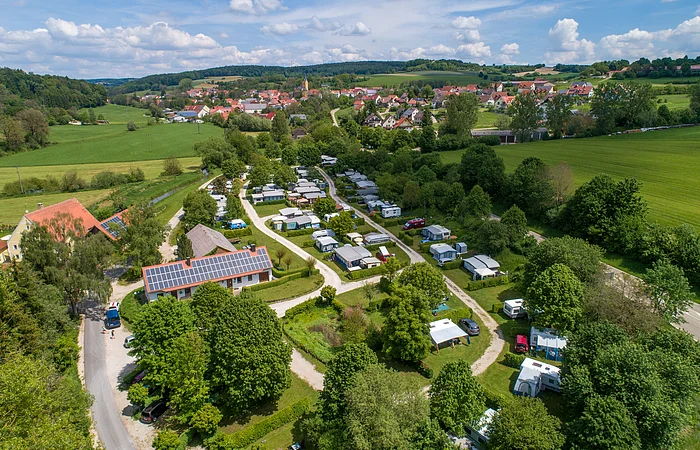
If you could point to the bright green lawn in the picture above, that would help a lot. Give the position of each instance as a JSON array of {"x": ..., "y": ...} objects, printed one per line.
[
  {"x": 12, "y": 209},
  {"x": 387, "y": 80},
  {"x": 486, "y": 119},
  {"x": 675, "y": 101},
  {"x": 151, "y": 169},
  {"x": 291, "y": 289},
  {"x": 298, "y": 390},
  {"x": 666, "y": 162},
  {"x": 264, "y": 210},
  {"x": 117, "y": 114},
  {"x": 113, "y": 143}
]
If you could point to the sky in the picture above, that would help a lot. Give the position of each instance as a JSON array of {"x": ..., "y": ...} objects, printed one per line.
[{"x": 134, "y": 38}]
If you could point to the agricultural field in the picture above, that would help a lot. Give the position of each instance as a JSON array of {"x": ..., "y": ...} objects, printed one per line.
[
  {"x": 12, "y": 209},
  {"x": 394, "y": 79},
  {"x": 210, "y": 82},
  {"x": 96, "y": 144},
  {"x": 664, "y": 161},
  {"x": 117, "y": 114},
  {"x": 674, "y": 101}
]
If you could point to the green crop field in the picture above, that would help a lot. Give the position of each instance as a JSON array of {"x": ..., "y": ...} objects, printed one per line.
[
  {"x": 666, "y": 162},
  {"x": 117, "y": 114},
  {"x": 86, "y": 171},
  {"x": 96, "y": 144},
  {"x": 394, "y": 79},
  {"x": 12, "y": 209},
  {"x": 675, "y": 101}
]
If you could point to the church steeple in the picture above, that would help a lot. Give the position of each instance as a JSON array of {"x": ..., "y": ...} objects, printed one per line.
[{"x": 305, "y": 84}]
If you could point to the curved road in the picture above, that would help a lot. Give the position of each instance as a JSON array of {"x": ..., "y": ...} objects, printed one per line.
[
  {"x": 497, "y": 342},
  {"x": 106, "y": 416}
]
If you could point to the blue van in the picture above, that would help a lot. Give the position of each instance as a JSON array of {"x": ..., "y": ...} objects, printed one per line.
[{"x": 112, "y": 320}]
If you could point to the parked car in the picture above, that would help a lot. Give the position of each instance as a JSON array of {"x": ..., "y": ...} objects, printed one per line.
[
  {"x": 470, "y": 326},
  {"x": 112, "y": 319},
  {"x": 414, "y": 223},
  {"x": 153, "y": 411},
  {"x": 521, "y": 345},
  {"x": 128, "y": 340}
]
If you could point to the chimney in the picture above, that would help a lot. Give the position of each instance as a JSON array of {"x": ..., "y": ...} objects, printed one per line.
[
  {"x": 39, "y": 205},
  {"x": 188, "y": 262},
  {"x": 252, "y": 248}
]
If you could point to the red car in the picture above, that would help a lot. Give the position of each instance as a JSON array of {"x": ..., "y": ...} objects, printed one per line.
[
  {"x": 521, "y": 345},
  {"x": 414, "y": 223}
]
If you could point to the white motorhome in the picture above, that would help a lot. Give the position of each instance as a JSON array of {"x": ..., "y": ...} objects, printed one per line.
[{"x": 514, "y": 308}]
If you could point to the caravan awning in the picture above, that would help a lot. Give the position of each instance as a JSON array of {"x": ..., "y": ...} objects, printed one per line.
[
  {"x": 552, "y": 342},
  {"x": 484, "y": 272},
  {"x": 445, "y": 330}
]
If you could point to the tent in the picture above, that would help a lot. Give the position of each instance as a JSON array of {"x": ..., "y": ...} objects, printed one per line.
[{"x": 445, "y": 331}]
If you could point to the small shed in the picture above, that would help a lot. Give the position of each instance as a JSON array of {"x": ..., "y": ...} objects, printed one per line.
[
  {"x": 278, "y": 222},
  {"x": 445, "y": 330},
  {"x": 461, "y": 248},
  {"x": 368, "y": 263}
]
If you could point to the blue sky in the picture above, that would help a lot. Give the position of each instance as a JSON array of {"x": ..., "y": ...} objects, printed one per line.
[{"x": 137, "y": 37}]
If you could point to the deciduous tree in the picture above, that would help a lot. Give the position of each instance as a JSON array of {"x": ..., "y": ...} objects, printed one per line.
[
  {"x": 189, "y": 390},
  {"x": 324, "y": 206},
  {"x": 526, "y": 116},
  {"x": 426, "y": 279},
  {"x": 524, "y": 424},
  {"x": 606, "y": 424},
  {"x": 341, "y": 224},
  {"x": 531, "y": 188},
  {"x": 462, "y": 115},
  {"x": 580, "y": 256},
  {"x": 171, "y": 166},
  {"x": 456, "y": 398},
  {"x": 200, "y": 208},
  {"x": 669, "y": 291},
  {"x": 143, "y": 235},
  {"x": 478, "y": 203},
  {"x": 555, "y": 299}
]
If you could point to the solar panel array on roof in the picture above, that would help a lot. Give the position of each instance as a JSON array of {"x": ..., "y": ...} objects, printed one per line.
[
  {"x": 113, "y": 226},
  {"x": 172, "y": 276}
]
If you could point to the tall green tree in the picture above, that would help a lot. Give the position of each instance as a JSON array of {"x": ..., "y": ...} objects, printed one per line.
[
  {"x": 35, "y": 125},
  {"x": 481, "y": 165},
  {"x": 526, "y": 115},
  {"x": 384, "y": 410},
  {"x": 341, "y": 224},
  {"x": 71, "y": 263},
  {"x": 492, "y": 237},
  {"x": 189, "y": 390},
  {"x": 249, "y": 358},
  {"x": 155, "y": 330},
  {"x": 405, "y": 334},
  {"x": 606, "y": 424},
  {"x": 426, "y": 279},
  {"x": 524, "y": 424},
  {"x": 462, "y": 115},
  {"x": 280, "y": 126},
  {"x": 555, "y": 298},
  {"x": 350, "y": 360},
  {"x": 531, "y": 187},
  {"x": 206, "y": 303},
  {"x": 515, "y": 221},
  {"x": 478, "y": 203},
  {"x": 668, "y": 290},
  {"x": 324, "y": 206},
  {"x": 184, "y": 247},
  {"x": 427, "y": 140},
  {"x": 456, "y": 398},
  {"x": 200, "y": 208},
  {"x": 143, "y": 235},
  {"x": 578, "y": 255},
  {"x": 558, "y": 114}
]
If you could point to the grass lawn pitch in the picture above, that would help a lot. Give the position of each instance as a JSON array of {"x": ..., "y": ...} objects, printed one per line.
[{"x": 666, "y": 163}]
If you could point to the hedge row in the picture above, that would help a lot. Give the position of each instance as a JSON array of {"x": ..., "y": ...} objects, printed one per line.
[
  {"x": 277, "y": 273},
  {"x": 513, "y": 360},
  {"x": 300, "y": 308},
  {"x": 365, "y": 273},
  {"x": 228, "y": 234},
  {"x": 359, "y": 221},
  {"x": 487, "y": 283},
  {"x": 391, "y": 222},
  {"x": 302, "y": 232},
  {"x": 456, "y": 264},
  {"x": 273, "y": 202},
  {"x": 280, "y": 281},
  {"x": 455, "y": 314},
  {"x": 497, "y": 307},
  {"x": 308, "y": 244},
  {"x": 245, "y": 437}
]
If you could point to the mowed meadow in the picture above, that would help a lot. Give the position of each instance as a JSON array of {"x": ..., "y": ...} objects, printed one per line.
[
  {"x": 89, "y": 150},
  {"x": 667, "y": 163}
]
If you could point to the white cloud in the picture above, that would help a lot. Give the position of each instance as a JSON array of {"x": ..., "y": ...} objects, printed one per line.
[
  {"x": 510, "y": 49},
  {"x": 476, "y": 50},
  {"x": 441, "y": 50},
  {"x": 566, "y": 46},
  {"x": 360, "y": 29},
  {"x": 323, "y": 25},
  {"x": 255, "y": 6},
  {"x": 466, "y": 23},
  {"x": 468, "y": 36},
  {"x": 281, "y": 29}
]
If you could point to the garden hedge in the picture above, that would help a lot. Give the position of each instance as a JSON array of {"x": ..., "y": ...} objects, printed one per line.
[
  {"x": 455, "y": 314},
  {"x": 277, "y": 273},
  {"x": 373, "y": 248},
  {"x": 513, "y": 360},
  {"x": 359, "y": 221},
  {"x": 391, "y": 222},
  {"x": 228, "y": 234},
  {"x": 365, "y": 273},
  {"x": 308, "y": 244},
  {"x": 497, "y": 307},
  {"x": 301, "y": 308},
  {"x": 280, "y": 281},
  {"x": 489, "y": 282},
  {"x": 303, "y": 232},
  {"x": 456, "y": 264},
  {"x": 245, "y": 437}
]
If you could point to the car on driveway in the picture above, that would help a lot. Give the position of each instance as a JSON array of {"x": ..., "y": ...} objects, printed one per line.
[
  {"x": 470, "y": 326},
  {"x": 153, "y": 411},
  {"x": 128, "y": 340},
  {"x": 521, "y": 345}
]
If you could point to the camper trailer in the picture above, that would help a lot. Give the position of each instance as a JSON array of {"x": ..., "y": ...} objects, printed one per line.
[{"x": 514, "y": 308}]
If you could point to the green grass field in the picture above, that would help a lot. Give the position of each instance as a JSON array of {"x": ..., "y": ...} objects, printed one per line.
[
  {"x": 117, "y": 114},
  {"x": 487, "y": 119},
  {"x": 113, "y": 143},
  {"x": 12, "y": 209},
  {"x": 675, "y": 101},
  {"x": 665, "y": 162},
  {"x": 394, "y": 79}
]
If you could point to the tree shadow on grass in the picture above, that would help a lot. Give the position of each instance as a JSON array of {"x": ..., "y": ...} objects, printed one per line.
[{"x": 266, "y": 408}]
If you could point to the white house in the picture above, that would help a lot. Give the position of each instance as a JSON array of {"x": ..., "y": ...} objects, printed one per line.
[
  {"x": 443, "y": 253},
  {"x": 535, "y": 377}
]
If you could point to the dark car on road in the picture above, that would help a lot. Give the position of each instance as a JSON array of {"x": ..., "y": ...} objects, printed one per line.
[
  {"x": 153, "y": 411},
  {"x": 470, "y": 326}
]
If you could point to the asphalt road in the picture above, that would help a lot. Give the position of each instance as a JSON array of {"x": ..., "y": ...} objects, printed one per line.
[
  {"x": 106, "y": 416},
  {"x": 692, "y": 318}
]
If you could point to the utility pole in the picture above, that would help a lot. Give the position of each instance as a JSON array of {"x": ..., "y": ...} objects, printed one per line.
[
  {"x": 198, "y": 127},
  {"x": 20, "y": 180}
]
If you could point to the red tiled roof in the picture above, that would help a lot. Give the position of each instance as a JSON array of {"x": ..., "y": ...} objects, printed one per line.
[{"x": 71, "y": 206}]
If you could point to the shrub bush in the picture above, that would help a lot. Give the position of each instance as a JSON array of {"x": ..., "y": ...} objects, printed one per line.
[
  {"x": 359, "y": 221},
  {"x": 391, "y": 222},
  {"x": 456, "y": 264},
  {"x": 414, "y": 232},
  {"x": 513, "y": 360},
  {"x": 497, "y": 307},
  {"x": 229, "y": 234},
  {"x": 425, "y": 370},
  {"x": 303, "y": 232},
  {"x": 408, "y": 240},
  {"x": 301, "y": 308},
  {"x": 308, "y": 244},
  {"x": 489, "y": 140},
  {"x": 131, "y": 306},
  {"x": 365, "y": 273},
  {"x": 490, "y": 282},
  {"x": 245, "y": 437},
  {"x": 455, "y": 314}
]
